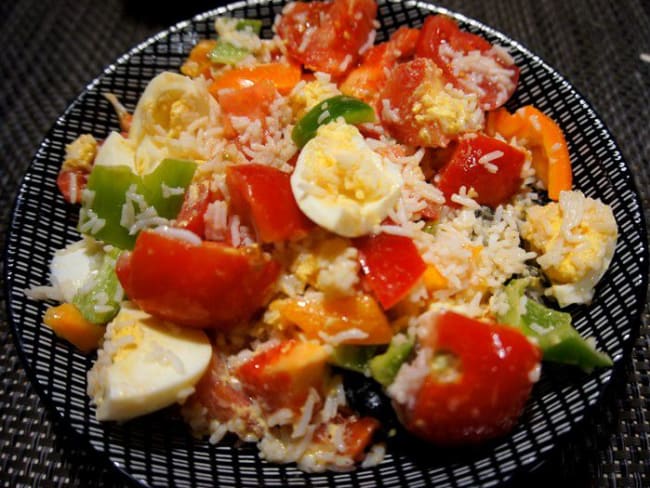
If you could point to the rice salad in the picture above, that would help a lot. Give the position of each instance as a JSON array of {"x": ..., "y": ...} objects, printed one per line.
[{"x": 287, "y": 215}]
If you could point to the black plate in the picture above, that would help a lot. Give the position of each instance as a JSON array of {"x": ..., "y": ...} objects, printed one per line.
[{"x": 158, "y": 449}]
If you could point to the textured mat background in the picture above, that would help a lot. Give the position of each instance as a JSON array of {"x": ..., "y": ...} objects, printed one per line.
[{"x": 51, "y": 49}]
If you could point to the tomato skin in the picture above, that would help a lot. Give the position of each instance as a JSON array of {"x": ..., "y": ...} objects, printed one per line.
[
  {"x": 216, "y": 392},
  {"x": 367, "y": 80},
  {"x": 191, "y": 215},
  {"x": 283, "y": 375},
  {"x": 464, "y": 169},
  {"x": 206, "y": 285},
  {"x": 64, "y": 182},
  {"x": 335, "y": 32},
  {"x": 253, "y": 102},
  {"x": 440, "y": 30},
  {"x": 391, "y": 266},
  {"x": 403, "y": 90},
  {"x": 357, "y": 434},
  {"x": 262, "y": 197},
  {"x": 485, "y": 401}
]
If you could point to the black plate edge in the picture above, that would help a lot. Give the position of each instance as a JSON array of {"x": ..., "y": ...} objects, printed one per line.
[{"x": 560, "y": 440}]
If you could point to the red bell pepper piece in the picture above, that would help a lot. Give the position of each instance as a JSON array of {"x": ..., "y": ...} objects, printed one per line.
[{"x": 391, "y": 266}]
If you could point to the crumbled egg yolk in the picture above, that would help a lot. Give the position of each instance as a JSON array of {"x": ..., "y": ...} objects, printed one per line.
[
  {"x": 454, "y": 113},
  {"x": 80, "y": 153},
  {"x": 311, "y": 94},
  {"x": 576, "y": 238},
  {"x": 331, "y": 266},
  {"x": 452, "y": 110},
  {"x": 343, "y": 185}
]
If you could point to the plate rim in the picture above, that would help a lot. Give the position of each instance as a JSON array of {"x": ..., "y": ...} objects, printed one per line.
[{"x": 526, "y": 468}]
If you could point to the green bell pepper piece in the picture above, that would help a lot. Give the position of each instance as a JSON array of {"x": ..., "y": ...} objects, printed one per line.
[
  {"x": 354, "y": 358},
  {"x": 384, "y": 367},
  {"x": 226, "y": 53},
  {"x": 100, "y": 301},
  {"x": 173, "y": 173},
  {"x": 353, "y": 110},
  {"x": 250, "y": 25},
  {"x": 551, "y": 329},
  {"x": 109, "y": 185}
]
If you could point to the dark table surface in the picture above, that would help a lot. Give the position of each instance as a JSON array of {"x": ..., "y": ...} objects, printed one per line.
[{"x": 51, "y": 49}]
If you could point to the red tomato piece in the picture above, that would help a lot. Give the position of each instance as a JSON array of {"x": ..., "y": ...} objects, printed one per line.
[
  {"x": 327, "y": 36},
  {"x": 222, "y": 397},
  {"x": 367, "y": 80},
  {"x": 197, "y": 199},
  {"x": 253, "y": 102},
  {"x": 71, "y": 183},
  {"x": 406, "y": 118},
  {"x": 497, "y": 366},
  {"x": 262, "y": 197},
  {"x": 391, "y": 266},
  {"x": 357, "y": 434},
  {"x": 468, "y": 61},
  {"x": 282, "y": 376},
  {"x": 471, "y": 166},
  {"x": 206, "y": 285}
]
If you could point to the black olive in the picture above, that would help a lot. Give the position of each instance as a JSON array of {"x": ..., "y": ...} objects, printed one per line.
[{"x": 366, "y": 397}]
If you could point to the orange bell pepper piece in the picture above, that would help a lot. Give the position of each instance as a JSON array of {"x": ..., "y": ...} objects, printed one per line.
[
  {"x": 283, "y": 76},
  {"x": 198, "y": 62},
  {"x": 544, "y": 138},
  {"x": 339, "y": 314},
  {"x": 67, "y": 322}
]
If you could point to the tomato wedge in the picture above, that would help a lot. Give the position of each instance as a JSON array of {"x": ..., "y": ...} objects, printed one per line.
[
  {"x": 195, "y": 203},
  {"x": 71, "y": 183},
  {"x": 283, "y": 375},
  {"x": 262, "y": 197},
  {"x": 253, "y": 102},
  {"x": 490, "y": 166},
  {"x": 357, "y": 435},
  {"x": 480, "y": 376},
  {"x": 216, "y": 391},
  {"x": 327, "y": 36},
  {"x": 468, "y": 61},
  {"x": 196, "y": 285},
  {"x": 367, "y": 80},
  {"x": 418, "y": 110},
  {"x": 391, "y": 266}
]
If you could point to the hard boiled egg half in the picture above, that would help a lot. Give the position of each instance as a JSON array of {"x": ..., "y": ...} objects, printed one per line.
[
  {"x": 340, "y": 183},
  {"x": 166, "y": 123},
  {"x": 144, "y": 365}
]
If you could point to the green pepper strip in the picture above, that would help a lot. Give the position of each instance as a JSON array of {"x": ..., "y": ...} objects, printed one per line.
[
  {"x": 384, "y": 367},
  {"x": 354, "y": 358},
  {"x": 364, "y": 359},
  {"x": 353, "y": 110},
  {"x": 109, "y": 185},
  {"x": 101, "y": 302},
  {"x": 225, "y": 52},
  {"x": 551, "y": 329}
]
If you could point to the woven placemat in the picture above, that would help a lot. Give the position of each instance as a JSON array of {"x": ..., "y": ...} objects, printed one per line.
[{"x": 52, "y": 49}]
